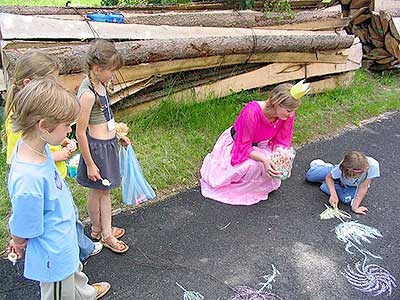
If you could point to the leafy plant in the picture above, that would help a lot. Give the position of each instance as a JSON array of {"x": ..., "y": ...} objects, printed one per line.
[{"x": 281, "y": 7}]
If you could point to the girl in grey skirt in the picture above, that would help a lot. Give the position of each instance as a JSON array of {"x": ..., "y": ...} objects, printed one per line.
[{"x": 98, "y": 168}]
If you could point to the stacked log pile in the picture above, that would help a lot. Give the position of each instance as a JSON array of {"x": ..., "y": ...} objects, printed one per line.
[
  {"x": 198, "y": 54},
  {"x": 377, "y": 24}
]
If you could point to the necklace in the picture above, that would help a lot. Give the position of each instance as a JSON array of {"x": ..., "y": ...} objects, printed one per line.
[{"x": 43, "y": 154}]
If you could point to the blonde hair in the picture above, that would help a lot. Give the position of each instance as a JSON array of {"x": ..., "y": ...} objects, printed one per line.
[
  {"x": 104, "y": 54},
  {"x": 30, "y": 65},
  {"x": 280, "y": 95},
  {"x": 353, "y": 164},
  {"x": 43, "y": 99}
]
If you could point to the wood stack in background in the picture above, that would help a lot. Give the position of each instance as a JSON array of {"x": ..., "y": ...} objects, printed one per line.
[
  {"x": 174, "y": 52},
  {"x": 377, "y": 24}
]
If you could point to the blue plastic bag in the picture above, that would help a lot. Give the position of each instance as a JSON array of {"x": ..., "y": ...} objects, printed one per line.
[{"x": 135, "y": 188}]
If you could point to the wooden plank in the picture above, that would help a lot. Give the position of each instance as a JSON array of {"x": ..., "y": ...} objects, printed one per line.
[
  {"x": 168, "y": 67},
  {"x": 268, "y": 75},
  {"x": 133, "y": 74},
  {"x": 394, "y": 26},
  {"x": 385, "y": 4},
  {"x": 30, "y": 28},
  {"x": 3, "y": 85},
  {"x": 341, "y": 80}
]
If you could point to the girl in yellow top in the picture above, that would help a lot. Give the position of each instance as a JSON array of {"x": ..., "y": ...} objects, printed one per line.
[{"x": 32, "y": 65}]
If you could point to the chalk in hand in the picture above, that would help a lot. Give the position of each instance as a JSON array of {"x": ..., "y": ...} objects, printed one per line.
[
  {"x": 105, "y": 182},
  {"x": 12, "y": 256}
]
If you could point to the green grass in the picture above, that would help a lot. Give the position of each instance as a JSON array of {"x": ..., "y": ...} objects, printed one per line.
[{"x": 171, "y": 140}]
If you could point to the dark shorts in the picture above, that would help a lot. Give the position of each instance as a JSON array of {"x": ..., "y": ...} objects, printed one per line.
[{"x": 105, "y": 156}]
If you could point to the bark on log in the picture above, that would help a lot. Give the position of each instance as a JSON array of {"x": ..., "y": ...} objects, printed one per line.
[
  {"x": 244, "y": 19},
  {"x": 199, "y": 6},
  {"x": 72, "y": 57}
]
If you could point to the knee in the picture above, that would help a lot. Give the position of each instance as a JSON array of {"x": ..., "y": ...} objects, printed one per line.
[{"x": 312, "y": 175}]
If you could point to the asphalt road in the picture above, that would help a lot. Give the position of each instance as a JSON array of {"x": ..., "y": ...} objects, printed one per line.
[{"x": 212, "y": 248}]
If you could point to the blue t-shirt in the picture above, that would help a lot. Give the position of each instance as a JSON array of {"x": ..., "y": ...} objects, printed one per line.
[
  {"x": 43, "y": 213},
  {"x": 372, "y": 172}
]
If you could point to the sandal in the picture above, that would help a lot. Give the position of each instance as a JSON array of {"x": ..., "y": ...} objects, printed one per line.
[
  {"x": 117, "y": 232},
  {"x": 102, "y": 288},
  {"x": 95, "y": 235},
  {"x": 120, "y": 248}
]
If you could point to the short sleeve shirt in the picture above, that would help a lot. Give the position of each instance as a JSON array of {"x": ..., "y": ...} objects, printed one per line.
[
  {"x": 373, "y": 172},
  {"x": 43, "y": 213}
]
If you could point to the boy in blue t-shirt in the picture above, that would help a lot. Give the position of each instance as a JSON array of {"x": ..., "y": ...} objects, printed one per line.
[
  {"x": 348, "y": 181},
  {"x": 43, "y": 220}
]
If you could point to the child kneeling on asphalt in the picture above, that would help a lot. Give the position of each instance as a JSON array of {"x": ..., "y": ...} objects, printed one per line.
[
  {"x": 43, "y": 219},
  {"x": 348, "y": 181}
]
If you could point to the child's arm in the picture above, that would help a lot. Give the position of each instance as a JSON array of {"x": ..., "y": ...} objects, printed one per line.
[
  {"x": 333, "y": 199},
  {"x": 361, "y": 192},
  {"x": 86, "y": 101}
]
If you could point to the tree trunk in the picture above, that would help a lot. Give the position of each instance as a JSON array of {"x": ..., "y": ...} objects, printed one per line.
[
  {"x": 72, "y": 57},
  {"x": 244, "y": 19}
]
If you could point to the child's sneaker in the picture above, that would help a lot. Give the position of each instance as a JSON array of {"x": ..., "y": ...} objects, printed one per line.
[
  {"x": 319, "y": 162},
  {"x": 97, "y": 248}
]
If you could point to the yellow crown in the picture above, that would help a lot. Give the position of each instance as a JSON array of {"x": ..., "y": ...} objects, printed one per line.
[{"x": 299, "y": 89}]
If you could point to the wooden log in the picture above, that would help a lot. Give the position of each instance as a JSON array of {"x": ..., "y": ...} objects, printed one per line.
[
  {"x": 240, "y": 19},
  {"x": 83, "y": 10},
  {"x": 72, "y": 57},
  {"x": 304, "y": 20},
  {"x": 268, "y": 75},
  {"x": 199, "y": 6}
]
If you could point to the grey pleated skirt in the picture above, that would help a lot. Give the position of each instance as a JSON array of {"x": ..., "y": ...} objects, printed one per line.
[{"x": 105, "y": 156}]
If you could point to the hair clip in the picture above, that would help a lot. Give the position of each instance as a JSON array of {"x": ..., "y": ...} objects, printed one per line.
[{"x": 299, "y": 89}]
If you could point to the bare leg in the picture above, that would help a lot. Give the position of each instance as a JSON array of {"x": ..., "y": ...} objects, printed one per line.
[
  {"x": 105, "y": 211},
  {"x": 93, "y": 205}
]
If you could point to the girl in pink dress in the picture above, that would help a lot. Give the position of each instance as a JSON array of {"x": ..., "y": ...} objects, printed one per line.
[{"x": 239, "y": 170}]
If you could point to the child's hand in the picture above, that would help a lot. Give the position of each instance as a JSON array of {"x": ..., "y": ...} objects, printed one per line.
[
  {"x": 61, "y": 155},
  {"x": 362, "y": 210},
  {"x": 270, "y": 168},
  {"x": 125, "y": 141},
  {"x": 18, "y": 249},
  {"x": 93, "y": 173},
  {"x": 333, "y": 201}
]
